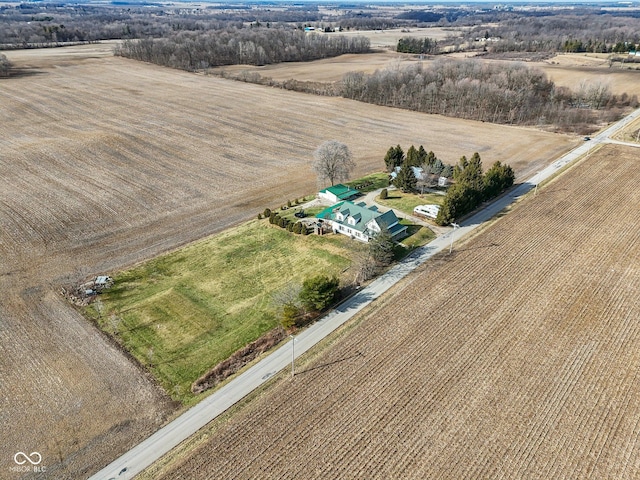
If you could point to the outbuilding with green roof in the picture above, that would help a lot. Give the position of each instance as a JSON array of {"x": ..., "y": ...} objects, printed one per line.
[{"x": 337, "y": 193}]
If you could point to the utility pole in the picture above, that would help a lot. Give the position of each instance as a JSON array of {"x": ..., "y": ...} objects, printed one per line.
[
  {"x": 535, "y": 192},
  {"x": 454, "y": 225}
]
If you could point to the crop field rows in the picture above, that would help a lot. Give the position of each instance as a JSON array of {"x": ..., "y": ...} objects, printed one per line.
[
  {"x": 517, "y": 357},
  {"x": 106, "y": 162}
]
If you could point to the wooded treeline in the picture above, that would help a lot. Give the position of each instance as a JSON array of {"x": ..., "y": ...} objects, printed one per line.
[
  {"x": 417, "y": 45},
  {"x": 498, "y": 93},
  {"x": 251, "y": 46},
  {"x": 565, "y": 32},
  {"x": 36, "y": 24}
]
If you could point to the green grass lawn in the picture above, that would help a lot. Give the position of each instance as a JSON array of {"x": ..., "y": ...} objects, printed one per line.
[
  {"x": 417, "y": 235},
  {"x": 289, "y": 213},
  {"x": 378, "y": 180},
  {"x": 184, "y": 312},
  {"x": 406, "y": 202}
]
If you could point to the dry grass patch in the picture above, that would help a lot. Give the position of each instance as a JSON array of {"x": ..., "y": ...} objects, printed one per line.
[
  {"x": 631, "y": 133},
  {"x": 570, "y": 70}
]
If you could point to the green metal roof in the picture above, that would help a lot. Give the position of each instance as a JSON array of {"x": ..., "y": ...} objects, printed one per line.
[
  {"x": 363, "y": 215},
  {"x": 326, "y": 213},
  {"x": 341, "y": 191}
]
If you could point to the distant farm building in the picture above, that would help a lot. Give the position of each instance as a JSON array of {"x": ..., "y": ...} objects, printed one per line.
[
  {"x": 338, "y": 193},
  {"x": 361, "y": 222},
  {"x": 418, "y": 172}
]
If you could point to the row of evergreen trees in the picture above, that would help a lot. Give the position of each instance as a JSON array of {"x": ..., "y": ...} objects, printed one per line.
[
  {"x": 417, "y": 45},
  {"x": 415, "y": 157},
  {"x": 472, "y": 187},
  {"x": 275, "y": 219}
]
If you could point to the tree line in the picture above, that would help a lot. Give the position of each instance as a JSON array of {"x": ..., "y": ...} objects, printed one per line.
[
  {"x": 570, "y": 31},
  {"x": 498, "y": 93},
  {"x": 472, "y": 187},
  {"x": 417, "y": 45},
  {"x": 432, "y": 167},
  {"x": 35, "y": 24},
  {"x": 231, "y": 46}
]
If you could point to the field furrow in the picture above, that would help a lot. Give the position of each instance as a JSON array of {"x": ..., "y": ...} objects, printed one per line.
[{"x": 514, "y": 358}]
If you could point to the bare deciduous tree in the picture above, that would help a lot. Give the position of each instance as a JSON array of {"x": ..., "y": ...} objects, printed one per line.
[
  {"x": 5, "y": 65},
  {"x": 333, "y": 162}
]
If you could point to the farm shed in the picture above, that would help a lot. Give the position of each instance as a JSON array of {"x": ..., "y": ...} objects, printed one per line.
[
  {"x": 337, "y": 193},
  {"x": 418, "y": 172}
]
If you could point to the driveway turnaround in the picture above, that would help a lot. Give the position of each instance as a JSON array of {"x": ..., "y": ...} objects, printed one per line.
[{"x": 161, "y": 442}]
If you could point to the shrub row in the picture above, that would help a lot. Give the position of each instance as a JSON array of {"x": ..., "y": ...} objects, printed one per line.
[{"x": 275, "y": 219}]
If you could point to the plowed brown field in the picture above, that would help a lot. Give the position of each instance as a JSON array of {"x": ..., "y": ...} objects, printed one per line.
[
  {"x": 517, "y": 357},
  {"x": 105, "y": 162},
  {"x": 567, "y": 70}
]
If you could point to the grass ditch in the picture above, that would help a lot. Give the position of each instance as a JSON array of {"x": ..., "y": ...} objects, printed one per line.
[{"x": 310, "y": 359}]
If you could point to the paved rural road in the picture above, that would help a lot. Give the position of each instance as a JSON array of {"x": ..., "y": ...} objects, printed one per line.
[{"x": 154, "y": 447}]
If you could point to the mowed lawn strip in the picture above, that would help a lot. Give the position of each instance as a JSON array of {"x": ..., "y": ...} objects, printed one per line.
[
  {"x": 182, "y": 313},
  {"x": 406, "y": 202},
  {"x": 369, "y": 183},
  {"x": 417, "y": 235}
]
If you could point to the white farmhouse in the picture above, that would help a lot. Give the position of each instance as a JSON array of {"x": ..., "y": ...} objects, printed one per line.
[{"x": 361, "y": 222}]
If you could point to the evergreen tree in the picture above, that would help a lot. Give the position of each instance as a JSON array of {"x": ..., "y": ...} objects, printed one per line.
[
  {"x": 472, "y": 174},
  {"x": 437, "y": 167},
  {"x": 469, "y": 173},
  {"x": 394, "y": 158},
  {"x": 458, "y": 169},
  {"x": 390, "y": 159},
  {"x": 381, "y": 248},
  {"x": 319, "y": 292},
  {"x": 413, "y": 158},
  {"x": 454, "y": 204},
  {"x": 290, "y": 313},
  {"x": 422, "y": 156},
  {"x": 497, "y": 179},
  {"x": 406, "y": 179},
  {"x": 430, "y": 159}
]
